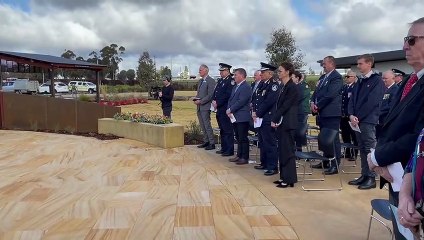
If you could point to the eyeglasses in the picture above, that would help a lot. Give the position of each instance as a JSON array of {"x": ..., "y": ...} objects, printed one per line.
[
  {"x": 411, "y": 39},
  {"x": 348, "y": 76}
]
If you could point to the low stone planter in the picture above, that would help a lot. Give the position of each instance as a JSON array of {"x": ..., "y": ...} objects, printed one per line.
[{"x": 161, "y": 135}]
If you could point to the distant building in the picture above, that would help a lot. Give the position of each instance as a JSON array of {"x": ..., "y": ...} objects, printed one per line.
[{"x": 383, "y": 61}]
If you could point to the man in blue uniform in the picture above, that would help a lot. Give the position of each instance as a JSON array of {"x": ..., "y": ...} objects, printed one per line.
[
  {"x": 220, "y": 99},
  {"x": 348, "y": 135},
  {"x": 391, "y": 89},
  {"x": 266, "y": 97}
]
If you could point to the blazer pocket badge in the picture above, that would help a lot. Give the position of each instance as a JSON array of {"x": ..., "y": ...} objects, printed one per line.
[{"x": 274, "y": 88}]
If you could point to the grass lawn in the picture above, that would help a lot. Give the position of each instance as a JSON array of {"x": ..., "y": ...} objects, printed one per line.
[{"x": 182, "y": 111}]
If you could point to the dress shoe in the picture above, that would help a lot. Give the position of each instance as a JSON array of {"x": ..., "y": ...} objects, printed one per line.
[
  {"x": 234, "y": 159},
  {"x": 203, "y": 145},
  {"x": 259, "y": 167},
  {"x": 278, "y": 181},
  {"x": 210, "y": 147},
  {"x": 351, "y": 159},
  {"x": 367, "y": 184},
  {"x": 284, "y": 185},
  {"x": 358, "y": 181},
  {"x": 227, "y": 154},
  {"x": 319, "y": 166},
  {"x": 270, "y": 172},
  {"x": 331, "y": 171},
  {"x": 242, "y": 161},
  {"x": 219, "y": 152}
]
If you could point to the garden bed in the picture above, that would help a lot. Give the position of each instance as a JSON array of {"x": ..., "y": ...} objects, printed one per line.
[{"x": 168, "y": 135}]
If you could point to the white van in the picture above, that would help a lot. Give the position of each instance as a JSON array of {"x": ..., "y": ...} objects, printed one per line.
[{"x": 26, "y": 86}]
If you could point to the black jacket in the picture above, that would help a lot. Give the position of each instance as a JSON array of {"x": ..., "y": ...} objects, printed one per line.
[
  {"x": 287, "y": 106},
  {"x": 366, "y": 99},
  {"x": 346, "y": 94},
  {"x": 222, "y": 93},
  {"x": 167, "y": 96}
]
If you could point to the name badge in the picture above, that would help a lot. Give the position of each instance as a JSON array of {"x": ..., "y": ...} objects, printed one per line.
[{"x": 386, "y": 96}]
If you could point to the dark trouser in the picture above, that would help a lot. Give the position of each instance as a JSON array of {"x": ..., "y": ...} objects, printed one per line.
[
  {"x": 167, "y": 111},
  {"x": 287, "y": 157},
  {"x": 226, "y": 132},
  {"x": 394, "y": 200},
  {"x": 300, "y": 137},
  {"x": 366, "y": 141},
  {"x": 268, "y": 150},
  {"x": 348, "y": 136},
  {"x": 204, "y": 117},
  {"x": 334, "y": 124},
  {"x": 241, "y": 130}
]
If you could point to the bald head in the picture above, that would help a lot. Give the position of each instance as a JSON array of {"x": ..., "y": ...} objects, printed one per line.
[{"x": 388, "y": 78}]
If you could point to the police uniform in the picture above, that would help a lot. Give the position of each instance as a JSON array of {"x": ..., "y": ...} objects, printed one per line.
[
  {"x": 266, "y": 97},
  {"x": 400, "y": 73},
  {"x": 348, "y": 135},
  {"x": 221, "y": 95}
]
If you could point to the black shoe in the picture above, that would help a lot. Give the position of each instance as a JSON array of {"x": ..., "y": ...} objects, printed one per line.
[
  {"x": 278, "y": 181},
  {"x": 270, "y": 172},
  {"x": 203, "y": 145},
  {"x": 351, "y": 159},
  {"x": 227, "y": 154},
  {"x": 368, "y": 184},
  {"x": 219, "y": 152},
  {"x": 210, "y": 147},
  {"x": 242, "y": 161},
  {"x": 358, "y": 181},
  {"x": 331, "y": 171},
  {"x": 284, "y": 185},
  {"x": 259, "y": 167},
  {"x": 234, "y": 159},
  {"x": 319, "y": 166}
]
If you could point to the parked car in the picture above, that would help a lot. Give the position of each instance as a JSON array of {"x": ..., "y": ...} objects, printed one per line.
[
  {"x": 82, "y": 86},
  {"x": 59, "y": 87},
  {"x": 8, "y": 86},
  {"x": 26, "y": 86}
]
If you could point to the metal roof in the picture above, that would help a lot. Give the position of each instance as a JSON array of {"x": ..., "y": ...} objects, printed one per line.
[
  {"x": 347, "y": 62},
  {"x": 49, "y": 61}
]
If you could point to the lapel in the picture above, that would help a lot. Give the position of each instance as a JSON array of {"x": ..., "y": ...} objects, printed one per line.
[
  {"x": 400, "y": 105},
  {"x": 233, "y": 92}
]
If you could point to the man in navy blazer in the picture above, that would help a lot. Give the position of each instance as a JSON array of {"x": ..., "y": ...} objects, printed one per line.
[
  {"x": 403, "y": 123},
  {"x": 364, "y": 111},
  {"x": 326, "y": 102},
  {"x": 239, "y": 111}
]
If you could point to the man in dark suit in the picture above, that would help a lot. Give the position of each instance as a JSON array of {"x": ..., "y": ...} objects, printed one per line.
[
  {"x": 348, "y": 135},
  {"x": 239, "y": 111},
  {"x": 326, "y": 102},
  {"x": 166, "y": 96},
  {"x": 220, "y": 98},
  {"x": 404, "y": 121},
  {"x": 364, "y": 111},
  {"x": 203, "y": 101},
  {"x": 266, "y": 97},
  {"x": 257, "y": 77},
  {"x": 255, "y": 86},
  {"x": 390, "y": 90}
]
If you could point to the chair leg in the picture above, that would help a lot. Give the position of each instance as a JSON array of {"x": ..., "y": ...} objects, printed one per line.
[
  {"x": 369, "y": 224},
  {"x": 326, "y": 189}
]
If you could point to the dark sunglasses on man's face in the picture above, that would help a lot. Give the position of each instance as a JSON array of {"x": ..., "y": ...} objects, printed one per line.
[{"x": 411, "y": 39}]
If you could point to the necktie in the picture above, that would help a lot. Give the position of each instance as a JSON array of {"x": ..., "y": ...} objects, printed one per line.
[{"x": 408, "y": 86}]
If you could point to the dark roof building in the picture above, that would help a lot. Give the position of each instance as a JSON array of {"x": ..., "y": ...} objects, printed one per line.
[{"x": 383, "y": 61}]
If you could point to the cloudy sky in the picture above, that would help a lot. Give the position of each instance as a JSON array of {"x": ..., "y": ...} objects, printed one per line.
[{"x": 191, "y": 32}]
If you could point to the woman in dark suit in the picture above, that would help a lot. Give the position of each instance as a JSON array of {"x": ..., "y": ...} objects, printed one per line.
[{"x": 284, "y": 118}]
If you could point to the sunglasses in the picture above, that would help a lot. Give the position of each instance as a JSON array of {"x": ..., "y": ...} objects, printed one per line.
[{"x": 411, "y": 39}]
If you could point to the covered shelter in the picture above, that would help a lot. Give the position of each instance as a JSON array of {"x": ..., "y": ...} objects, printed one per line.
[
  {"x": 35, "y": 62},
  {"x": 382, "y": 61}
]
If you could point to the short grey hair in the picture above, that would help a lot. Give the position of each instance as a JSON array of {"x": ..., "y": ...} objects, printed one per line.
[
  {"x": 204, "y": 66},
  {"x": 418, "y": 21}
]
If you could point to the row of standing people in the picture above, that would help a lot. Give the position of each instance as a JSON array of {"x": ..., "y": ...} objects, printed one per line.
[{"x": 269, "y": 103}]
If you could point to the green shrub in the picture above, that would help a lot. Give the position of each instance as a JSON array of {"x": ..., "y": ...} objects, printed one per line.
[{"x": 142, "y": 117}]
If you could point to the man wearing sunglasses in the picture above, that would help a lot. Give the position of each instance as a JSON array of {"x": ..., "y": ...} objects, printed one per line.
[{"x": 403, "y": 123}]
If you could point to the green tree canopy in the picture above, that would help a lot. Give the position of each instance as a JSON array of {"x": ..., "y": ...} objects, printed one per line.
[{"x": 282, "y": 48}]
